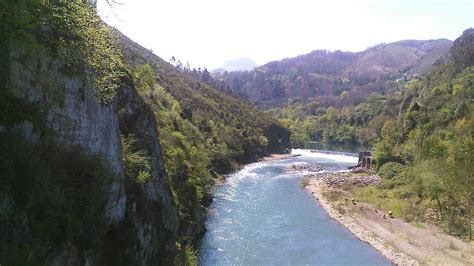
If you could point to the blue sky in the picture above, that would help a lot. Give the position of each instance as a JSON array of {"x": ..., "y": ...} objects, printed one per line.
[{"x": 208, "y": 32}]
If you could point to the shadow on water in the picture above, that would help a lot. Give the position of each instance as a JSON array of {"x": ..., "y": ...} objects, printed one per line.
[{"x": 262, "y": 216}]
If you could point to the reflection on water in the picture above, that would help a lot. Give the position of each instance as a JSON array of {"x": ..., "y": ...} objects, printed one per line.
[{"x": 261, "y": 215}]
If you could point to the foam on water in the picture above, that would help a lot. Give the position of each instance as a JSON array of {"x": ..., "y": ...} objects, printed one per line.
[
  {"x": 262, "y": 216},
  {"x": 327, "y": 155}
]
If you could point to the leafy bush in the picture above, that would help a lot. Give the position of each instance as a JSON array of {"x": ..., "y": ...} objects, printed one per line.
[
  {"x": 392, "y": 170},
  {"x": 136, "y": 163},
  {"x": 187, "y": 256},
  {"x": 68, "y": 30}
]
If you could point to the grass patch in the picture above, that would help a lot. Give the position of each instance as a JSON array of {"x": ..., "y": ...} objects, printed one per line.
[
  {"x": 333, "y": 195},
  {"x": 383, "y": 199}
]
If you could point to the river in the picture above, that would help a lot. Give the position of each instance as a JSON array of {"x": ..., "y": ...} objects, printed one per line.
[{"x": 261, "y": 215}]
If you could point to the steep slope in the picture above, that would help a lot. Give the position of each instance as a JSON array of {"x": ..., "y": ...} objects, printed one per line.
[
  {"x": 425, "y": 146},
  {"x": 422, "y": 137},
  {"x": 328, "y": 74},
  {"x": 65, "y": 191},
  {"x": 202, "y": 103},
  {"x": 100, "y": 165}
]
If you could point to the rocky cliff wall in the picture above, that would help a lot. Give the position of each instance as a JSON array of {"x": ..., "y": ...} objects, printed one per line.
[{"x": 141, "y": 219}]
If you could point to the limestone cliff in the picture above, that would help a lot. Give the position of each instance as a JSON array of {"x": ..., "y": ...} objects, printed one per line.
[
  {"x": 108, "y": 159},
  {"x": 140, "y": 220}
]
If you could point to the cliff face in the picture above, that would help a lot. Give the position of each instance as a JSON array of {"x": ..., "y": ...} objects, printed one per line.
[
  {"x": 140, "y": 220},
  {"x": 73, "y": 118},
  {"x": 100, "y": 167},
  {"x": 151, "y": 210}
]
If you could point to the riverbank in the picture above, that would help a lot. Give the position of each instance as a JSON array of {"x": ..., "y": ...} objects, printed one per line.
[{"x": 400, "y": 242}]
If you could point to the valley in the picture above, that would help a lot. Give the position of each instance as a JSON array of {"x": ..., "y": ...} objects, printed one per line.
[{"x": 111, "y": 155}]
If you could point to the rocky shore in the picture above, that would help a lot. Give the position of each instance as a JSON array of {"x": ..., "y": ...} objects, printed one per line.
[
  {"x": 400, "y": 242},
  {"x": 338, "y": 179}
]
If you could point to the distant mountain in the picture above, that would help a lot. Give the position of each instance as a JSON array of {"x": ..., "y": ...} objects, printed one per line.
[
  {"x": 240, "y": 64},
  {"x": 328, "y": 74}
]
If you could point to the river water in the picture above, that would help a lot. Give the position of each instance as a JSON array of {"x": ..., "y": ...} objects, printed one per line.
[{"x": 261, "y": 215}]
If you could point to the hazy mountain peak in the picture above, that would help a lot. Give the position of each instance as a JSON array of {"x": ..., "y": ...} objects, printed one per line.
[{"x": 239, "y": 64}]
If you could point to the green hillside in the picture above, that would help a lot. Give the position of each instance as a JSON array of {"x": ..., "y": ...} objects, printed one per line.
[
  {"x": 247, "y": 132},
  {"x": 421, "y": 132},
  {"x": 108, "y": 154}
]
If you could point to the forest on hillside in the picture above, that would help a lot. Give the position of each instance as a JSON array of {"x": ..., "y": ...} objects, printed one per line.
[
  {"x": 89, "y": 119},
  {"x": 421, "y": 132},
  {"x": 336, "y": 78}
]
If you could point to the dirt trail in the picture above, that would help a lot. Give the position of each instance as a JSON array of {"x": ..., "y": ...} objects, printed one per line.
[{"x": 400, "y": 242}]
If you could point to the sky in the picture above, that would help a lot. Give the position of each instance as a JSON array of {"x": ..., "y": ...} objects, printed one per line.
[{"x": 207, "y": 33}]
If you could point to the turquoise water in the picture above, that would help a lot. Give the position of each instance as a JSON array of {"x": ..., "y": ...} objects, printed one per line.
[{"x": 262, "y": 216}]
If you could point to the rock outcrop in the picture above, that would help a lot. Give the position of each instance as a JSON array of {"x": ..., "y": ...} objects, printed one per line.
[
  {"x": 150, "y": 208},
  {"x": 74, "y": 118},
  {"x": 141, "y": 220}
]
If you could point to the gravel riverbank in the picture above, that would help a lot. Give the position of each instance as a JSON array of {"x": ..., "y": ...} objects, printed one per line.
[{"x": 400, "y": 242}]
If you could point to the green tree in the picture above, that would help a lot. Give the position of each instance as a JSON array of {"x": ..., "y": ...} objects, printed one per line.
[
  {"x": 384, "y": 150},
  {"x": 461, "y": 177},
  {"x": 462, "y": 51}
]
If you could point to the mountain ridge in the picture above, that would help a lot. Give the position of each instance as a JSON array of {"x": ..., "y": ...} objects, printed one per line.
[{"x": 330, "y": 73}]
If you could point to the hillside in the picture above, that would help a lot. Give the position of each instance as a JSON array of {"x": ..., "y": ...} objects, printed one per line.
[
  {"x": 328, "y": 74},
  {"x": 108, "y": 154},
  {"x": 421, "y": 134},
  {"x": 202, "y": 103}
]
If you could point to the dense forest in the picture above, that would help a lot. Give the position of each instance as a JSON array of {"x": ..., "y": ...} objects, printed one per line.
[
  {"x": 426, "y": 152},
  {"x": 421, "y": 132},
  {"x": 107, "y": 152}
]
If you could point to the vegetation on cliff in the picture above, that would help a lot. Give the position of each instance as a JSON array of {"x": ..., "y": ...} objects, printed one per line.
[
  {"x": 53, "y": 197},
  {"x": 69, "y": 31},
  {"x": 203, "y": 137}
]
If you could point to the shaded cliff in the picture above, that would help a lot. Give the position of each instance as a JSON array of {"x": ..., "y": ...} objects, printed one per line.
[
  {"x": 132, "y": 222},
  {"x": 104, "y": 162},
  {"x": 66, "y": 197}
]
